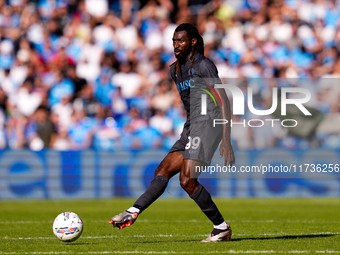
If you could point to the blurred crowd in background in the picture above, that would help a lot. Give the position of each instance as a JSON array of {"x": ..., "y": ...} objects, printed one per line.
[{"x": 94, "y": 74}]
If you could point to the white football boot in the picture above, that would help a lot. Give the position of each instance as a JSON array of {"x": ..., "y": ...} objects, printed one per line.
[
  {"x": 123, "y": 219},
  {"x": 223, "y": 235}
]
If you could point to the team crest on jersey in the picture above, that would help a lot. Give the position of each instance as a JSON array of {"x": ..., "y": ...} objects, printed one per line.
[{"x": 192, "y": 71}]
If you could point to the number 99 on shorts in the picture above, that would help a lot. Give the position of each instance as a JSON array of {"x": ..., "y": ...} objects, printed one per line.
[{"x": 193, "y": 143}]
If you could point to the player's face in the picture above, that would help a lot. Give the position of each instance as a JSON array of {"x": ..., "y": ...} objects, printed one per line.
[{"x": 182, "y": 45}]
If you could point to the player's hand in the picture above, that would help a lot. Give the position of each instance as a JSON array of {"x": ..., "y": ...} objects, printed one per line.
[{"x": 227, "y": 150}]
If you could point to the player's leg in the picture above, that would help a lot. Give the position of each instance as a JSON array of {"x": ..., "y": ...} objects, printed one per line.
[
  {"x": 188, "y": 180},
  {"x": 169, "y": 166}
]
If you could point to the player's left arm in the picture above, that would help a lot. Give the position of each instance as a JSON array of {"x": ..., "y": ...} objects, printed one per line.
[
  {"x": 210, "y": 74},
  {"x": 226, "y": 148}
]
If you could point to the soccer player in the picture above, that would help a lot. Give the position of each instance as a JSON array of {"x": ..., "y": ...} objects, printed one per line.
[{"x": 193, "y": 74}]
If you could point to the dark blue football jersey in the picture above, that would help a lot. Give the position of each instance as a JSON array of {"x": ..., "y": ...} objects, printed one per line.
[{"x": 203, "y": 80}]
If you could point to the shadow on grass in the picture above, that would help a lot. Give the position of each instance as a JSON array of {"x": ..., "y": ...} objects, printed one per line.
[
  {"x": 280, "y": 237},
  {"x": 172, "y": 241},
  {"x": 235, "y": 239}
]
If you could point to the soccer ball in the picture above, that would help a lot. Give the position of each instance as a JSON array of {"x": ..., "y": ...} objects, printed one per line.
[{"x": 68, "y": 226}]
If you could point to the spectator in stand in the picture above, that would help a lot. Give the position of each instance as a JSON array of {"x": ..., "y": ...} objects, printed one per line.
[
  {"x": 62, "y": 141},
  {"x": 28, "y": 100},
  {"x": 119, "y": 106},
  {"x": 127, "y": 79},
  {"x": 63, "y": 87},
  {"x": 147, "y": 138},
  {"x": 161, "y": 123},
  {"x": 6, "y": 54},
  {"x": 80, "y": 132},
  {"x": 88, "y": 67},
  {"x": 63, "y": 112},
  {"x": 41, "y": 131},
  {"x": 15, "y": 129},
  {"x": 164, "y": 97},
  {"x": 7, "y": 84},
  {"x": 103, "y": 87},
  {"x": 79, "y": 83},
  {"x": 3, "y": 99},
  {"x": 106, "y": 136},
  {"x": 87, "y": 102}
]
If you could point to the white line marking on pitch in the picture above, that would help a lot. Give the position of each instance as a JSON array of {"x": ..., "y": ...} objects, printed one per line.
[
  {"x": 178, "y": 235},
  {"x": 168, "y": 252},
  {"x": 183, "y": 221}
]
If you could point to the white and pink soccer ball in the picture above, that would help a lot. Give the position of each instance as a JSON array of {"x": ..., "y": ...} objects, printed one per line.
[{"x": 68, "y": 226}]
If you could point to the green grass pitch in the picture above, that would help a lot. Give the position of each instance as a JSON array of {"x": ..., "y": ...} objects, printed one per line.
[{"x": 274, "y": 226}]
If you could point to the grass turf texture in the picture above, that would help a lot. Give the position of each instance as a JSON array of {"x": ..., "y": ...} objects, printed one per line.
[{"x": 175, "y": 227}]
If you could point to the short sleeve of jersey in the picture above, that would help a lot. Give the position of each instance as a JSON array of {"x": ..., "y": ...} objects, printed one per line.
[{"x": 209, "y": 72}]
